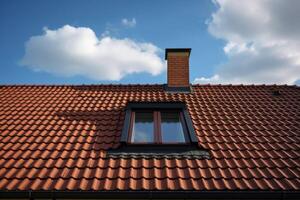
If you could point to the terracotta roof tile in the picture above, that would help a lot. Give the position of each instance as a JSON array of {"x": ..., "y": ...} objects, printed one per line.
[{"x": 56, "y": 137}]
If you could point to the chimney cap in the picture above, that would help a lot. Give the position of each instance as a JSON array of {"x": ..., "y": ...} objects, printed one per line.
[{"x": 177, "y": 50}]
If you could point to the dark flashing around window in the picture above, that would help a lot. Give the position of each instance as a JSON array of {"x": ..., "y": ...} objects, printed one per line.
[
  {"x": 178, "y": 89},
  {"x": 159, "y": 151},
  {"x": 152, "y": 105}
]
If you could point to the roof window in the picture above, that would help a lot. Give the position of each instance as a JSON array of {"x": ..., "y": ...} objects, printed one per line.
[{"x": 158, "y": 124}]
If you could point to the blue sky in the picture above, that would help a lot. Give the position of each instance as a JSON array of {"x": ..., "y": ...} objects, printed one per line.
[{"x": 194, "y": 24}]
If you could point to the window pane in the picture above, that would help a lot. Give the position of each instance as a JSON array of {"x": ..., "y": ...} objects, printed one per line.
[
  {"x": 143, "y": 127},
  {"x": 171, "y": 127}
]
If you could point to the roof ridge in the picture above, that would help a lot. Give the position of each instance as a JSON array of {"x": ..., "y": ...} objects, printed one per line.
[
  {"x": 147, "y": 84},
  {"x": 77, "y": 85},
  {"x": 246, "y": 85}
]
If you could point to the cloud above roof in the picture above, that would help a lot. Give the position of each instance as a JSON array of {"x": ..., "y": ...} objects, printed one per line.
[
  {"x": 262, "y": 41},
  {"x": 72, "y": 51},
  {"x": 130, "y": 23}
]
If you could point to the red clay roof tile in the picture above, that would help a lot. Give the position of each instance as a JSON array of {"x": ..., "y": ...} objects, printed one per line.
[{"x": 56, "y": 137}]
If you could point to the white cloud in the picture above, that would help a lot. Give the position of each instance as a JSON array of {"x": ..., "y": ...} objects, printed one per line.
[
  {"x": 214, "y": 78},
  {"x": 129, "y": 23},
  {"x": 263, "y": 41},
  {"x": 70, "y": 51}
]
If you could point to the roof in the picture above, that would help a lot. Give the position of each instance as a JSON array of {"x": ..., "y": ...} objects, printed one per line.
[{"x": 56, "y": 138}]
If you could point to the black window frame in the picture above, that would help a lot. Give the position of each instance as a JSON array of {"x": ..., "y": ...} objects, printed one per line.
[{"x": 181, "y": 107}]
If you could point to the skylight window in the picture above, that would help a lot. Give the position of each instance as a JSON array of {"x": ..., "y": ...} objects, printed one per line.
[
  {"x": 158, "y": 123},
  {"x": 157, "y": 126}
]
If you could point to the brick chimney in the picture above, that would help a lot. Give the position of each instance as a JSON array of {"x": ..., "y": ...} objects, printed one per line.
[{"x": 178, "y": 69}]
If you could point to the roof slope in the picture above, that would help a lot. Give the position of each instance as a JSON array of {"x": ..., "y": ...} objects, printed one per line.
[{"x": 55, "y": 137}]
